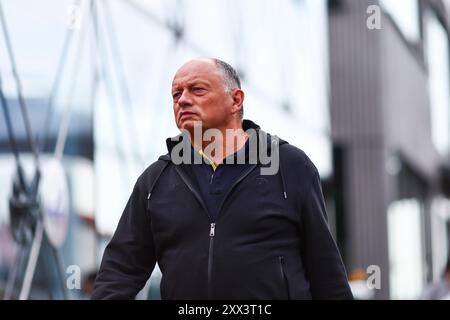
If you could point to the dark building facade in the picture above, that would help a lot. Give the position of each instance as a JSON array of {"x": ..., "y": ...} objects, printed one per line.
[{"x": 388, "y": 171}]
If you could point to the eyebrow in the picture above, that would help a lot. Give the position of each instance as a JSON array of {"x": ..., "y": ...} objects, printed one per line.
[{"x": 194, "y": 83}]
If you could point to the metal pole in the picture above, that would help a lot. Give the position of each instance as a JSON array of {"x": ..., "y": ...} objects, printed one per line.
[
  {"x": 13, "y": 273},
  {"x": 22, "y": 104},
  {"x": 61, "y": 273},
  {"x": 32, "y": 261}
]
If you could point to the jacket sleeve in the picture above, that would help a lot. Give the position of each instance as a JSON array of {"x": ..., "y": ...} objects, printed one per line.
[
  {"x": 323, "y": 264},
  {"x": 129, "y": 258}
]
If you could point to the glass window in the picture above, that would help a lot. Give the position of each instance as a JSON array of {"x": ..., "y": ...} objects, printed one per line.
[
  {"x": 405, "y": 236},
  {"x": 437, "y": 53}
]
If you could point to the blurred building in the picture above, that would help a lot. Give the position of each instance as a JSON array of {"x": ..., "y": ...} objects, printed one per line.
[
  {"x": 370, "y": 106},
  {"x": 112, "y": 63},
  {"x": 390, "y": 116}
]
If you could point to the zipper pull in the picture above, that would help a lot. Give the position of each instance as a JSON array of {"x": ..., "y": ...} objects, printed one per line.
[{"x": 212, "y": 230}]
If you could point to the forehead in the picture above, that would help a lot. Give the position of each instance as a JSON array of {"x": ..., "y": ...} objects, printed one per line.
[{"x": 196, "y": 72}]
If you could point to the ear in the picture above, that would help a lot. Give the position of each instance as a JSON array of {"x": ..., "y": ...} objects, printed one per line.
[{"x": 238, "y": 100}]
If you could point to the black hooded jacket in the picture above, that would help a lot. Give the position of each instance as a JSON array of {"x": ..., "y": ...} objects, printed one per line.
[{"x": 270, "y": 240}]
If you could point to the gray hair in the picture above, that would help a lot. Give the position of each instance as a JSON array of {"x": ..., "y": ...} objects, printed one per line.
[{"x": 230, "y": 78}]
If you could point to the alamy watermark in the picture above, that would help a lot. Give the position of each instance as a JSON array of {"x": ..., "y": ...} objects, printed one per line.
[
  {"x": 73, "y": 280},
  {"x": 373, "y": 21},
  {"x": 373, "y": 281},
  {"x": 262, "y": 148}
]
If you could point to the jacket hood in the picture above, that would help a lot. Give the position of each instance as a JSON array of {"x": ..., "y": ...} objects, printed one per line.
[{"x": 247, "y": 125}]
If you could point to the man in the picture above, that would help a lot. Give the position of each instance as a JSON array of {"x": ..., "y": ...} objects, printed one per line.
[{"x": 222, "y": 227}]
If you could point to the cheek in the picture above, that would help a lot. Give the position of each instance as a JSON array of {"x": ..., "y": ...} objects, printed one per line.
[
  {"x": 216, "y": 105},
  {"x": 175, "y": 112},
  {"x": 221, "y": 108},
  {"x": 175, "y": 108}
]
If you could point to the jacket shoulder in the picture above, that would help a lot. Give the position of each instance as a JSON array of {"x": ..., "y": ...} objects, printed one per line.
[
  {"x": 294, "y": 157},
  {"x": 151, "y": 174}
]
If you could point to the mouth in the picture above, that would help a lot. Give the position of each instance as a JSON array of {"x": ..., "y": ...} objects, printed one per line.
[{"x": 187, "y": 114}]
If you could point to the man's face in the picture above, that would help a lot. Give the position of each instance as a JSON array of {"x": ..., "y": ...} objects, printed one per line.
[{"x": 198, "y": 94}]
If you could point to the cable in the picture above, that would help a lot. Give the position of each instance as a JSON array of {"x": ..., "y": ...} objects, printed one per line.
[
  {"x": 65, "y": 123},
  {"x": 23, "y": 107},
  {"x": 45, "y": 133},
  {"x": 27, "y": 221},
  {"x": 174, "y": 28},
  {"x": 12, "y": 138},
  {"x": 120, "y": 75},
  {"x": 101, "y": 75},
  {"x": 147, "y": 14}
]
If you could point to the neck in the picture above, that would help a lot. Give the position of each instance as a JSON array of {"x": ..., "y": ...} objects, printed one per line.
[{"x": 217, "y": 144}]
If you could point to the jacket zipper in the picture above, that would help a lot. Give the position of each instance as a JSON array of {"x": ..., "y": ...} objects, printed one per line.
[
  {"x": 212, "y": 233},
  {"x": 283, "y": 277},
  {"x": 211, "y": 230}
]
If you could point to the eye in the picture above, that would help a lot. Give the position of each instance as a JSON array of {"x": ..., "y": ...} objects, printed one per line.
[
  {"x": 176, "y": 95},
  {"x": 198, "y": 90}
]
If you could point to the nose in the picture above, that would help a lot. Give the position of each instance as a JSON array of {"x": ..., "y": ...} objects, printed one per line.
[{"x": 185, "y": 99}]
